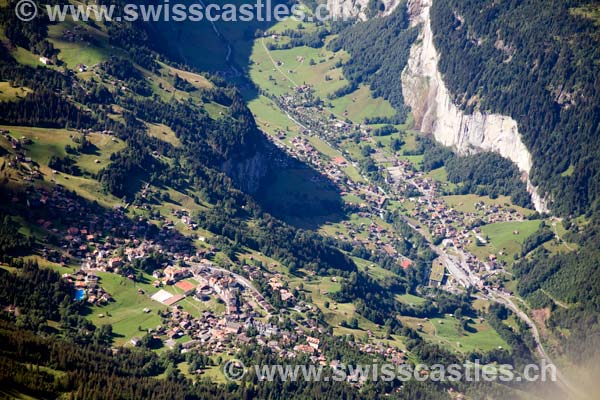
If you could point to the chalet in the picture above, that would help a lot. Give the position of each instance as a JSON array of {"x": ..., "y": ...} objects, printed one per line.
[
  {"x": 115, "y": 262},
  {"x": 286, "y": 295},
  {"x": 174, "y": 274},
  {"x": 304, "y": 348},
  {"x": 233, "y": 327},
  {"x": 313, "y": 342},
  {"x": 157, "y": 274}
]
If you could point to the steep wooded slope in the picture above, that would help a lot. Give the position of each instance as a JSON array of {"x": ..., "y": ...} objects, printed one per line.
[{"x": 536, "y": 61}]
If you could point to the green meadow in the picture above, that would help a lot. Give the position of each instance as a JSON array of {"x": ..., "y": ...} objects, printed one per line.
[
  {"x": 505, "y": 237},
  {"x": 126, "y": 313},
  {"x": 479, "y": 336}
]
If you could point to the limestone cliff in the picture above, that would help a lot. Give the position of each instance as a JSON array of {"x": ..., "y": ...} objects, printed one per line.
[
  {"x": 248, "y": 173},
  {"x": 435, "y": 113}
]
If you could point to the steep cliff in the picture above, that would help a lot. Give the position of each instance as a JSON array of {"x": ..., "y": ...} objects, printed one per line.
[
  {"x": 435, "y": 113},
  {"x": 248, "y": 173}
]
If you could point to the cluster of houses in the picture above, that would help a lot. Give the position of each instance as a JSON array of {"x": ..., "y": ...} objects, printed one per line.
[
  {"x": 76, "y": 34},
  {"x": 185, "y": 218},
  {"x": 456, "y": 228},
  {"x": 214, "y": 334},
  {"x": 104, "y": 240},
  {"x": 393, "y": 354},
  {"x": 276, "y": 283},
  {"x": 20, "y": 162},
  {"x": 373, "y": 199},
  {"x": 304, "y": 150},
  {"x": 409, "y": 185},
  {"x": 87, "y": 283},
  {"x": 241, "y": 323}
]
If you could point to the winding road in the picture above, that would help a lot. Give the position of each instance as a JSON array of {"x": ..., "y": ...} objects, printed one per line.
[{"x": 457, "y": 267}]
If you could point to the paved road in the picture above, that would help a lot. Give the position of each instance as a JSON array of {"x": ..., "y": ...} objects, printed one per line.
[
  {"x": 561, "y": 379},
  {"x": 459, "y": 271}
]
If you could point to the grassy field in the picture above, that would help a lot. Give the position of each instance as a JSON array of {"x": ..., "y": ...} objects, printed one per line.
[
  {"x": 271, "y": 120},
  {"x": 164, "y": 133},
  {"x": 89, "y": 47},
  {"x": 106, "y": 146},
  {"x": 279, "y": 71},
  {"x": 445, "y": 332},
  {"x": 23, "y": 56},
  {"x": 46, "y": 142},
  {"x": 294, "y": 68},
  {"x": 361, "y": 104},
  {"x": 9, "y": 93},
  {"x": 126, "y": 314},
  {"x": 410, "y": 299},
  {"x": 214, "y": 374},
  {"x": 506, "y": 237},
  {"x": 197, "y": 80},
  {"x": 466, "y": 203},
  {"x": 87, "y": 188},
  {"x": 373, "y": 270},
  {"x": 52, "y": 142},
  {"x": 439, "y": 174}
]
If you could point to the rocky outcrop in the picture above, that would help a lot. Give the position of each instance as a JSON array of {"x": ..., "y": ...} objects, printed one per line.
[
  {"x": 247, "y": 173},
  {"x": 357, "y": 8},
  {"x": 435, "y": 113}
]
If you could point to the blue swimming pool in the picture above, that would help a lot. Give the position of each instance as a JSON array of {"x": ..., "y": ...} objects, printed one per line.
[{"x": 79, "y": 294}]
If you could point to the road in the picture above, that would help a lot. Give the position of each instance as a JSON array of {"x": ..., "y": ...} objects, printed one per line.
[
  {"x": 457, "y": 267},
  {"x": 460, "y": 272},
  {"x": 561, "y": 379}
]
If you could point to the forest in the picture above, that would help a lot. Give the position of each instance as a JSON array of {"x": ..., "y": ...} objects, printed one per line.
[
  {"x": 485, "y": 174},
  {"x": 573, "y": 279}
]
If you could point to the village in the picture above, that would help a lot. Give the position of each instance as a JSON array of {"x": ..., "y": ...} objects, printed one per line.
[
  {"x": 111, "y": 242},
  {"x": 248, "y": 318},
  {"x": 451, "y": 231},
  {"x": 107, "y": 241}
]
